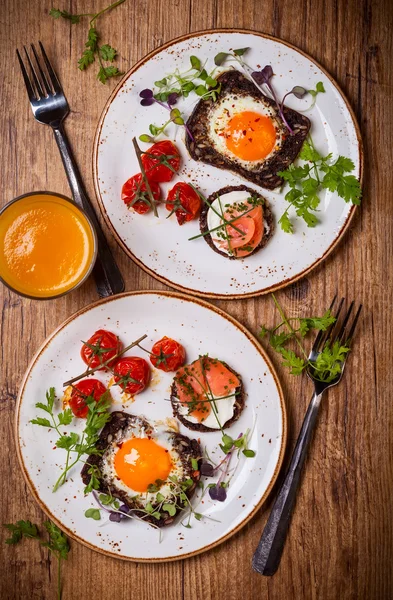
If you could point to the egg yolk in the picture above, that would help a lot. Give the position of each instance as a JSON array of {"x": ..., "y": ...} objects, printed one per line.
[
  {"x": 139, "y": 462},
  {"x": 250, "y": 136}
]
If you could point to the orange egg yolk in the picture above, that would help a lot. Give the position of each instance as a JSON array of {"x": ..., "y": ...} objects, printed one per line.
[
  {"x": 139, "y": 462},
  {"x": 250, "y": 136}
]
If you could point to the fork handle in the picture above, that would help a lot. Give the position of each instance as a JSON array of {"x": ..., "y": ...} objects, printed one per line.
[
  {"x": 108, "y": 278},
  {"x": 267, "y": 556}
]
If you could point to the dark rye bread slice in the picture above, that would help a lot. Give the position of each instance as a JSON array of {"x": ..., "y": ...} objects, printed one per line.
[
  {"x": 187, "y": 449},
  {"x": 238, "y": 407},
  {"x": 267, "y": 217},
  {"x": 200, "y": 148}
]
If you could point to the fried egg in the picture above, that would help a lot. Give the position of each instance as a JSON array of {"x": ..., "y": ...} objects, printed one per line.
[
  {"x": 139, "y": 456},
  {"x": 244, "y": 129}
]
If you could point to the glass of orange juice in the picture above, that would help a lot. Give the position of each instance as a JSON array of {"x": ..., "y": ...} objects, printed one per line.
[{"x": 48, "y": 245}]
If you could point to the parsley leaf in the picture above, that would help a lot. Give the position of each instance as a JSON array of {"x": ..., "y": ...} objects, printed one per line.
[
  {"x": 306, "y": 181},
  {"x": 21, "y": 529},
  {"x": 93, "y": 49},
  {"x": 329, "y": 361},
  {"x": 73, "y": 443}
]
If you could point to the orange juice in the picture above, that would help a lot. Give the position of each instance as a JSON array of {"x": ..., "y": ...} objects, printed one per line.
[{"x": 47, "y": 245}]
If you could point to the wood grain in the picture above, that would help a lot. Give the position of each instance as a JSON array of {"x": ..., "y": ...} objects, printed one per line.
[{"x": 341, "y": 539}]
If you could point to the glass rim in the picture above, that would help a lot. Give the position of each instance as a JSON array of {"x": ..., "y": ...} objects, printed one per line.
[{"x": 95, "y": 243}]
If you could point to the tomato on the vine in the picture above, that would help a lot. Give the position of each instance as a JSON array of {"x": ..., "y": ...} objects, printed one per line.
[
  {"x": 82, "y": 390},
  {"x": 161, "y": 161},
  {"x": 135, "y": 195},
  {"x": 168, "y": 355},
  {"x": 102, "y": 346},
  {"x": 132, "y": 374},
  {"x": 184, "y": 201}
]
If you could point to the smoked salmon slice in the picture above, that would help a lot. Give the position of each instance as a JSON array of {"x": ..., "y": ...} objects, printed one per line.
[
  {"x": 197, "y": 382},
  {"x": 251, "y": 224}
]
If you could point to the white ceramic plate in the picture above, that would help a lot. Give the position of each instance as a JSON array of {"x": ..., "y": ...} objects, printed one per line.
[
  {"x": 160, "y": 246},
  {"x": 201, "y": 328}
]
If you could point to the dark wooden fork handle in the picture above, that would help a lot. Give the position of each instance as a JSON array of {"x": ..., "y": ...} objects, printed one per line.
[
  {"x": 271, "y": 545},
  {"x": 106, "y": 272}
]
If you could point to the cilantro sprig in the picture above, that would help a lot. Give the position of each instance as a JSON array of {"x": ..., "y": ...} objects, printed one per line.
[
  {"x": 57, "y": 543},
  {"x": 93, "y": 48},
  {"x": 328, "y": 363},
  {"x": 75, "y": 445},
  {"x": 308, "y": 180}
]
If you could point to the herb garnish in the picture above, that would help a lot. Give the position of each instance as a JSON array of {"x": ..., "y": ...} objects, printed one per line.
[
  {"x": 328, "y": 364},
  {"x": 263, "y": 77},
  {"x": 76, "y": 445},
  {"x": 308, "y": 180},
  {"x": 177, "y": 85},
  {"x": 104, "y": 53},
  {"x": 228, "y": 445},
  {"x": 57, "y": 543}
]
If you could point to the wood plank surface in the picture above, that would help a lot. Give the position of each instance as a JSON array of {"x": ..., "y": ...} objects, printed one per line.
[{"x": 340, "y": 545}]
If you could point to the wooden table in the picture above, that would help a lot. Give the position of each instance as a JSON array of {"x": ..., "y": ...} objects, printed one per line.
[{"x": 341, "y": 540}]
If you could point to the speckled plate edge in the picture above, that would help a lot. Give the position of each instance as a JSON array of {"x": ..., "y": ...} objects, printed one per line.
[
  {"x": 165, "y": 280},
  {"x": 258, "y": 348}
]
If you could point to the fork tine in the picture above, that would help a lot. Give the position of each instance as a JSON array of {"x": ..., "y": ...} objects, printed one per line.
[
  {"x": 40, "y": 93},
  {"x": 28, "y": 85},
  {"x": 43, "y": 76},
  {"x": 53, "y": 77},
  {"x": 340, "y": 334},
  {"x": 322, "y": 333},
  {"x": 352, "y": 330}
]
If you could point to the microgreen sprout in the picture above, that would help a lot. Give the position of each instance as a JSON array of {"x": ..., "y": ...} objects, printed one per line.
[
  {"x": 263, "y": 78},
  {"x": 177, "y": 85}
]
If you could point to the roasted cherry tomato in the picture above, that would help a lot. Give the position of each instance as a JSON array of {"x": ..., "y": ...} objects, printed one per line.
[
  {"x": 156, "y": 159},
  {"x": 134, "y": 194},
  {"x": 102, "y": 346},
  {"x": 132, "y": 373},
  {"x": 167, "y": 355},
  {"x": 184, "y": 201},
  {"x": 82, "y": 390}
]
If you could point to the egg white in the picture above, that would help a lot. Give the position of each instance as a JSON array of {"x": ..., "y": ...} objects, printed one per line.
[
  {"x": 224, "y": 409},
  {"x": 224, "y": 110},
  {"x": 159, "y": 435}
]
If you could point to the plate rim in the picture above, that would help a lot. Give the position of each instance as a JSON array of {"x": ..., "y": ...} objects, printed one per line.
[
  {"x": 165, "y": 280},
  {"x": 178, "y": 296}
]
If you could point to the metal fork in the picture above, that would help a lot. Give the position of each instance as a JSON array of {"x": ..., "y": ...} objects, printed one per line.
[
  {"x": 50, "y": 107},
  {"x": 268, "y": 553}
]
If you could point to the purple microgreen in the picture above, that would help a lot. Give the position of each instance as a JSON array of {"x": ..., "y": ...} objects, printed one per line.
[
  {"x": 172, "y": 98},
  {"x": 217, "y": 492},
  {"x": 207, "y": 470},
  {"x": 263, "y": 77},
  {"x": 297, "y": 91},
  {"x": 146, "y": 93},
  {"x": 147, "y": 101}
]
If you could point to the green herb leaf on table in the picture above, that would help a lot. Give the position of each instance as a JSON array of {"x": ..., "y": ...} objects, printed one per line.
[
  {"x": 57, "y": 543},
  {"x": 328, "y": 364},
  {"x": 93, "y": 49}
]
